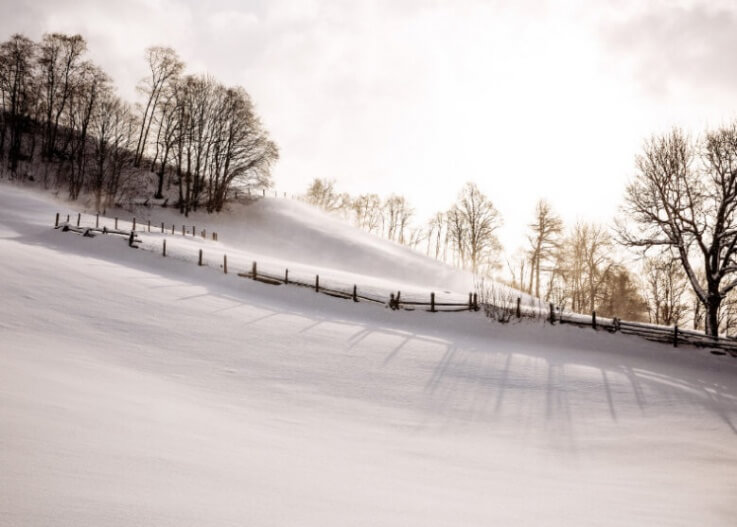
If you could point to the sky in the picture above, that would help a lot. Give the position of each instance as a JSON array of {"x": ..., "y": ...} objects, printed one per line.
[{"x": 528, "y": 99}]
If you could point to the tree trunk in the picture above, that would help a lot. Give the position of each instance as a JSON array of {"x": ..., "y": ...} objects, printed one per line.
[{"x": 712, "y": 314}]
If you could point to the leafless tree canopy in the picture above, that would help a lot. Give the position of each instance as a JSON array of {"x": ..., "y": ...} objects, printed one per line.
[
  {"x": 60, "y": 114},
  {"x": 683, "y": 198}
]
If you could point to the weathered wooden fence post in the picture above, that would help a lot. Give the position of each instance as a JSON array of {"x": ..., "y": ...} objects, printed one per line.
[
  {"x": 286, "y": 276},
  {"x": 470, "y": 301},
  {"x": 149, "y": 226},
  {"x": 264, "y": 192},
  {"x": 163, "y": 252},
  {"x": 475, "y": 301},
  {"x": 214, "y": 236},
  {"x": 67, "y": 218},
  {"x": 254, "y": 271},
  {"x": 552, "y": 314},
  {"x": 519, "y": 308},
  {"x": 131, "y": 238},
  {"x": 134, "y": 224},
  {"x": 225, "y": 263},
  {"x": 116, "y": 224},
  {"x": 56, "y": 221},
  {"x": 204, "y": 233},
  {"x": 317, "y": 282},
  {"x": 162, "y": 227},
  {"x": 355, "y": 296},
  {"x": 593, "y": 319},
  {"x": 182, "y": 230},
  {"x": 172, "y": 228},
  {"x": 97, "y": 221},
  {"x": 391, "y": 301},
  {"x": 79, "y": 217},
  {"x": 432, "y": 302},
  {"x": 193, "y": 230},
  {"x": 200, "y": 260},
  {"x": 675, "y": 336}
]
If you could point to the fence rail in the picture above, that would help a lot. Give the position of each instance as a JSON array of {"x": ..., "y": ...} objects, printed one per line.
[{"x": 664, "y": 334}]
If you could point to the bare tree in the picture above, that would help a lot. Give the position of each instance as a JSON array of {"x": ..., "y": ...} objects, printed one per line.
[
  {"x": 16, "y": 84},
  {"x": 473, "y": 222},
  {"x": 165, "y": 66},
  {"x": 583, "y": 266},
  {"x": 322, "y": 193},
  {"x": 686, "y": 199},
  {"x": 60, "y": 60},
  {"x": 367, "y": 212},
  {"x": 397, "y": 214},
  {"x": 665, "y": 289},
  {"x": 546, "y": 229}
]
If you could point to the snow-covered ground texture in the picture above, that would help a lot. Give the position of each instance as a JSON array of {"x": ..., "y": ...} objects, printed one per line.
[{"x": 138, "y": 390}]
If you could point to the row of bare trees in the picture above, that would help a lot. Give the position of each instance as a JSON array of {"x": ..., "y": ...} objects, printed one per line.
[
  {"x": 464, "y": 235},
  {"x": 679, "y": 219},
  {"x": 60, "y": 117}
]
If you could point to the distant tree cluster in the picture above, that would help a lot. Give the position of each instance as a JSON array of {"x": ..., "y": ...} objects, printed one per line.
[
  {"x": 464, "y": 235},
  {"x": 576, "y": 268},
  {"x": 60, "y": 114}
]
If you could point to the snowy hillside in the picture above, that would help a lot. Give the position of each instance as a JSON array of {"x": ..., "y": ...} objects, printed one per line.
[{"x": 138, "y": 390}]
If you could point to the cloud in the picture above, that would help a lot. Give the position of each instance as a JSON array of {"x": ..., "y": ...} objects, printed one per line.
[{"x": 679, "y": 48}]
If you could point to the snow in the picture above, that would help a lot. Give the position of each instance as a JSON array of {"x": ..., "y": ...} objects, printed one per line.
[{"x": 141, "y": 390}]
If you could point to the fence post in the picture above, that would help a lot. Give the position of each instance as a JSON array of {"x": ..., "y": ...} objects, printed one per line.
[
  {"x": 204, "y": 233},
  {"x": 116, "y": 224},
  {"x": 355, "y": 296},
  {"x": 200, "y": 260},
  {"x": 193, "y": 230},
  {"x": 134, "y": 224},
  {"x": 163, "y": 253},
  {"x": 172, "y": 228},
  {"x": 162, "y": 227},
  {"x": 182, "y": 230},
  {"x": 552, "y": 314},
  {"x": 675, "y": 336},
  {"x": 432, "y": 302},
  {"x": 67, "y": 218},
  {"x": 391, "y": 301},
  {"x": 470, "y": 301},
  {"x": 215, "y": 236},
  {"x": 286, "y": 276},
  {"x": 475, "y": 302},
  {"x": 264, "y": 192},
  {"x": 225, "y": 263},
  {"x": 593, "y": 319},
  {"x": 130, "y": 239},
  {"x": 317, "y": 281},
  {"x": 253, "y": 271},
  {"x": 79, "y": 217},
  {"x": 149, "y": 226},
  {"x": 519, "y": 308},
  {"x": 97, "y": 221},
  {"x": 56, "y": 221}
]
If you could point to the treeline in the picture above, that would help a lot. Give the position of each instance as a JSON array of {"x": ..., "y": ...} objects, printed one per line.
[
  {"x": 679, "y": 219},
  {"x": 464, "y": 235},
  {"x": 61, "y": 120}
]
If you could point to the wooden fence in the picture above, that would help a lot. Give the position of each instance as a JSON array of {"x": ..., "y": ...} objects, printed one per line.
[{"x": 665, "y": 334}]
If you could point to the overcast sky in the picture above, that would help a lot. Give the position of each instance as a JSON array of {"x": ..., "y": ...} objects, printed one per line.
[{"x": 529, "y": 99}]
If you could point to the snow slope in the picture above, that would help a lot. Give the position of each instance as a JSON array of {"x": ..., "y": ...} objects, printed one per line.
[
  {"x": 284, "y": 233},
  {"x": 137, "y": 390}
]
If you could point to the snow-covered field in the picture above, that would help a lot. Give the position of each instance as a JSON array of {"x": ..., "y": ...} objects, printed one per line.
[{"x": 138, "y": 390}]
